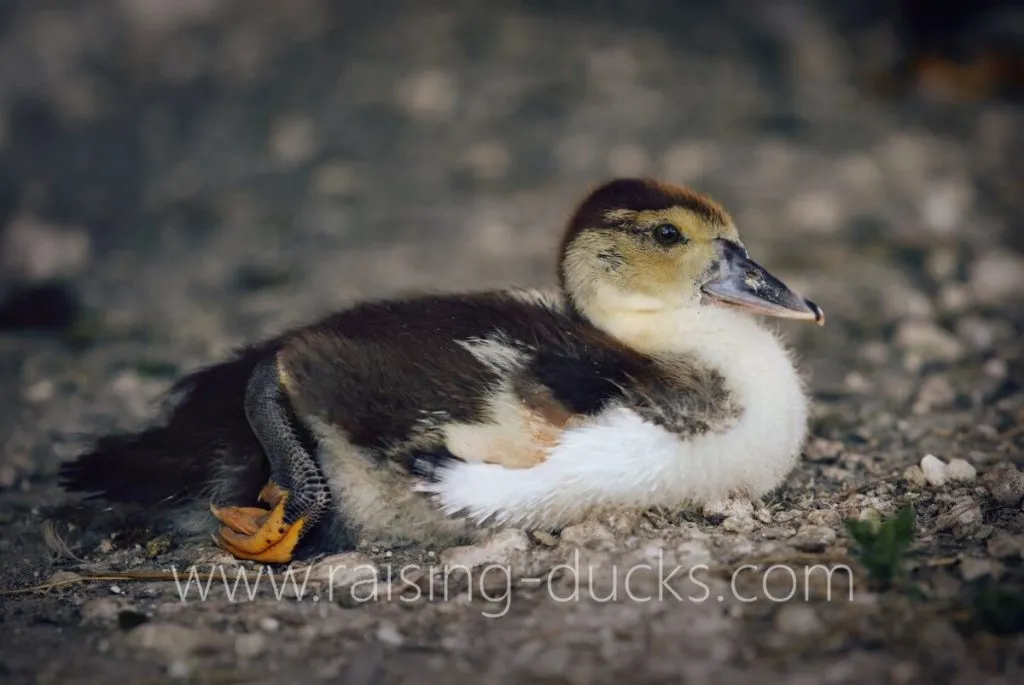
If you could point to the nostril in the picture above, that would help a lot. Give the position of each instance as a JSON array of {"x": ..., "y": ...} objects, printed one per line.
[{"x": 728, "y": 247}]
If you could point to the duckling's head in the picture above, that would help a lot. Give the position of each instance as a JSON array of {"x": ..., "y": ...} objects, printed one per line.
[{"x": 638, "y": 246}]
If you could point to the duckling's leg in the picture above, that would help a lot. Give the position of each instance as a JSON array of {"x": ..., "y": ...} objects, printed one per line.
[{"x": 297, "y": 492}]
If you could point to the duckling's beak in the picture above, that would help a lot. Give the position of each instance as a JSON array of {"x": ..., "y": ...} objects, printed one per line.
[{"x": 742, "y": 282}]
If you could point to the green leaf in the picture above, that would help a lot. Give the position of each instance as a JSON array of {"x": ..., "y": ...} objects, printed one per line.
[{"x": 882, "y": 547}]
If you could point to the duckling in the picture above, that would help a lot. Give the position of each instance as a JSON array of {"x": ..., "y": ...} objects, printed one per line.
[{"x": 645, "y": 379}]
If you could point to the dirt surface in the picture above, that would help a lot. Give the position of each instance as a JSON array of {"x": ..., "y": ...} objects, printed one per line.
[{"x": 206, "y": 172}]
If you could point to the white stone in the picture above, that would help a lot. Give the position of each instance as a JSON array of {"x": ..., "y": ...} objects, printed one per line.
[
  {"x": 936, "y": 471},
  {"x": 961, "y": 470}
]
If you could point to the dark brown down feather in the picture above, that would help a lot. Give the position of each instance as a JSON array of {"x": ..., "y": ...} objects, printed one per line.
[{"x": 204, "y": 435}]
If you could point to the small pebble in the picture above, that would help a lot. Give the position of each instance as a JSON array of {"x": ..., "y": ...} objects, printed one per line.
[
  {"x": 35, "y": 250},
  {"x": 962, "y": 471},
  {"x": 389, "y": 635},
  {"x": 269, "y": 624},
  {"x": 8, "y": 475},
  {"x": 1004, "y": 545},
  {"x": 972, "y": 568},
  {"x": 250, "y": 645},
  {"x": 936, "y": 471},
  {"x": 39, "y": 392},
  {"x": 1006, "y": 484},
  {"x": 914, "y": 476},
  {"x": 818, "y": 212},
  {"x": 820, "y": 449},
  {"x": 345, "y": 569},
  {"x": 929, "y": 341},
  {"x": 997, "y": 277},
  {"x": 179, "y": 670},
  {"x": 813, "y": 538},
  {"x": 488, "y": 159},
  {"x": 292, "y": 139},
  {"x": 871, "y": 516},
  {"x": 963, "y": 517},
  {"x": 172, "y": 640},
  {"x": 501, "y": 548},
  {"x": 955, "y": 298},
  {"x": 996, "y": 368},
  {"x": 103, "y": 609},
  {"x": 858, "y": 383},
  {"x": 904, "y": 673},
  {"x": 776, "y": 533},
  {"x": 797, "y": 619},
  {"x": 738, "y": 506},
  {"x": 430, "y": 94},
  {"x": 545, "y": 538},
  {"x": 945, "y": 204},
  {"x": 935, "y": 393},
  {"x": 738, "y": 524},
  {"x": 824, "y": 517}
]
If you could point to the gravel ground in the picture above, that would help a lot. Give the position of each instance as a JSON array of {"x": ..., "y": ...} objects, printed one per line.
[{"x": 205, "y": 172}]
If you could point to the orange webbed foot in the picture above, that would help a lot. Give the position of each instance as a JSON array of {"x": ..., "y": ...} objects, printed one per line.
[{"x": 258, "y": 534}]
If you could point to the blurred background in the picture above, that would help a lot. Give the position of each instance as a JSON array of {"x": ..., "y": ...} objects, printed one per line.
[{"x": 180, "y": 177}]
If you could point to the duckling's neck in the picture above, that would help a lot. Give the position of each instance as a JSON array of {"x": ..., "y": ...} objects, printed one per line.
[
  {"x": 734, "y": 342},
  {"x": 648, "y": 325},
  {"x": 758, "y": 371}
]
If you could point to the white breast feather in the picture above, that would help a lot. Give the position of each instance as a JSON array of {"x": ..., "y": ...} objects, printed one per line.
[{"x": 621, "y": 460}]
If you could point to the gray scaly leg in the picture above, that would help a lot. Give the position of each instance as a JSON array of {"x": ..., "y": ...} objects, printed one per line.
[{"x": 297, "y": 491}]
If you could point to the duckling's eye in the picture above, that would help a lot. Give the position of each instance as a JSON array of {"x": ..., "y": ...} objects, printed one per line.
[{"x": 667, "y": 234}]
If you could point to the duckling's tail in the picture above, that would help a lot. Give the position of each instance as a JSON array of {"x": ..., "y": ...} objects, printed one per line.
[{"x": 204, "y": 449}]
